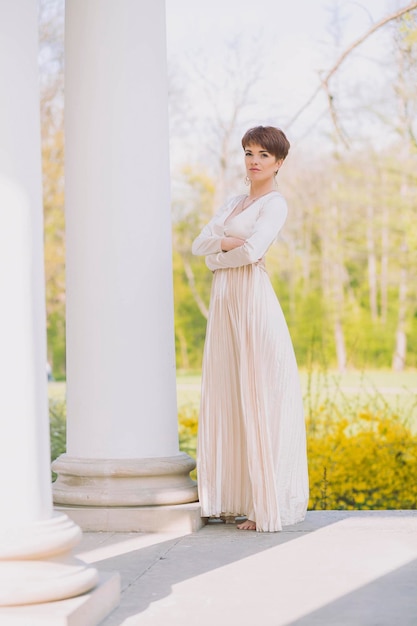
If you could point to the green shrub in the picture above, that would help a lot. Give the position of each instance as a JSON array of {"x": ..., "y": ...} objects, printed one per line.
[{"x": 57, "y": 429}]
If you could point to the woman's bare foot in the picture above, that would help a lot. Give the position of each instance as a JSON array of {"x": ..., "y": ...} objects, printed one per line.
[{"x": 247, "y": 525}]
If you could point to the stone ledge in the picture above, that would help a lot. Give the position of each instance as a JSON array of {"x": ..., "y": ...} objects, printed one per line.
[
  {"x": 88, "y": 609},
  {"x": 184, "y": 518}
]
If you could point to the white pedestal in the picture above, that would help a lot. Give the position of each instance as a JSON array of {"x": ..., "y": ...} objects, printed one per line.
[
  {"x": 124, "y": 482},
  {"x": 88, "y": 609},
  {"x": 177, "y": 518},
  {"x": 36, "y": 562}
]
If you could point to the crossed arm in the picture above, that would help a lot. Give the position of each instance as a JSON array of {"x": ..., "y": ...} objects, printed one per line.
[
  {"x": 227, "y": 252},
  {"x": 230, "y": 243}
]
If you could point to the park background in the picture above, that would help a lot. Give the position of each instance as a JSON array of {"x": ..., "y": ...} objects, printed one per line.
[{"x": 345, "y": 265}]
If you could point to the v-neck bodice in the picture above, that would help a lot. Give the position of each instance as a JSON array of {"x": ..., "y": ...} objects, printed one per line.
[
  {"x": 238, "y": 200},
  {"x": 242, "y": 224}
]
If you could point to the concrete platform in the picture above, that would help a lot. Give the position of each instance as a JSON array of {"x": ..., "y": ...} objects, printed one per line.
[{"x": 337, "y": 568}]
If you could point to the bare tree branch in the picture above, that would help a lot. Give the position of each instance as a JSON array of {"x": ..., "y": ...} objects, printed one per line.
[
  {"x": 325, "y": 79},
  {"x": 333, "y": 115}
]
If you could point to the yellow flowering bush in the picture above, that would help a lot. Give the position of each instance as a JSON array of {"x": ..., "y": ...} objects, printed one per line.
[
  {"x": 368, "y": 461},
  {"x": 187, "y": 432}
]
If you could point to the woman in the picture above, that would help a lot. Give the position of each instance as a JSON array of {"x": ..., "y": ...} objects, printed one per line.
[{"x": 251, "y": 456}]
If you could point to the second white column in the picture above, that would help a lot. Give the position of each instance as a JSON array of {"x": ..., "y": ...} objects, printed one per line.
[{"x": 122, "y": 433}]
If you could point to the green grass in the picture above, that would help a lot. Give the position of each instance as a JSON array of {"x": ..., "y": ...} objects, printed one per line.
[
  {"x": 56, "y": 391},
  {"x": 382, "y": 390}
]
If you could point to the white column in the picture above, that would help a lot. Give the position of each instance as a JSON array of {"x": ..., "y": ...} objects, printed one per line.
[
  {"x": 35, "y": 544},
  {"x": 122, "y": 433}
]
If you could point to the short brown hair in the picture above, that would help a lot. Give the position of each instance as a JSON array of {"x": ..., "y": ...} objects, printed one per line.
[{"x": 268, "y": 137}]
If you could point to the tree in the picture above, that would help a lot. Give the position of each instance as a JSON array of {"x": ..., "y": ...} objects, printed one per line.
[
  {"x": 51, "y": 60},
  {"x": 325, "y": 78},
  {"x": 406, "y": 128}
]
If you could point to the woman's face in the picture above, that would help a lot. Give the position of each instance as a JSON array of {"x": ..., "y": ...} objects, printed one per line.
[{"x": 260, "y": 164}]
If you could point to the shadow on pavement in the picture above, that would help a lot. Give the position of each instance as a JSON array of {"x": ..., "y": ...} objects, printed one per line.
[
  {"x": 150, "y": 574},
  {"x": 388, "y": 601}
]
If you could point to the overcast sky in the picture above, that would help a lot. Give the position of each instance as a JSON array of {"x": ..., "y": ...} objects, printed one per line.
[{"x": 297, "y": 40}]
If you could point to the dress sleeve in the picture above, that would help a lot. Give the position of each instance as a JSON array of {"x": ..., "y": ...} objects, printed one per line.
[
  {"x": 271, "y": 219},
  {"x": 207, "y": 241}
]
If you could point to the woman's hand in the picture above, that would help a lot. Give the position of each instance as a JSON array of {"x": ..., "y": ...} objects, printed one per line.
[{"x": 230, "y": 243}]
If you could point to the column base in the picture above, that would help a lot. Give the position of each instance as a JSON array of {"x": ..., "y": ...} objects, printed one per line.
[
  {"x": 37, "y": 565},
  {"x": 124, "y": 482},
  {"x": 183, "y": 518},
  {"x": 88, "y": 609}
]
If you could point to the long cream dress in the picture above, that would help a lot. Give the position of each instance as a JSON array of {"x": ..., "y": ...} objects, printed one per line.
[{"x": 251, "y": 453}]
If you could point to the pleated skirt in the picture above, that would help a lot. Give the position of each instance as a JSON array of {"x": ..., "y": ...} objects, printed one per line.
[{"x": 251, "y": 452}]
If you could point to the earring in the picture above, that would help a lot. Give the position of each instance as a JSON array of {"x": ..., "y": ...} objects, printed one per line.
[
  {"x": 275, "y": 179},
  {"x": 247, "y": 180}
]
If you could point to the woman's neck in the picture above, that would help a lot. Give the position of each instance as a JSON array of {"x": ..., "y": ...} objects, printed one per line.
[{"x": 257, "y": 191}]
